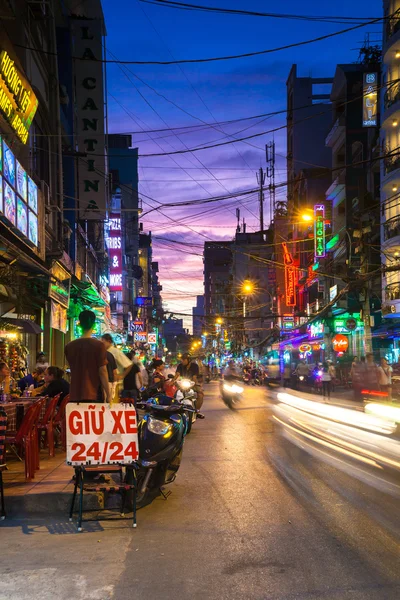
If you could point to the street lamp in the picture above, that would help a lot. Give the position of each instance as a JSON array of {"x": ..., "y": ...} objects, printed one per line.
[
  {"x": 247, "y": 289},
  {"x": 218, "y": 321},
  {"x": 307, "y": 217}
]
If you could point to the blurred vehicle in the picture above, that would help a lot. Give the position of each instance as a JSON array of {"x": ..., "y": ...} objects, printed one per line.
[{"x": 231, "y": 393}]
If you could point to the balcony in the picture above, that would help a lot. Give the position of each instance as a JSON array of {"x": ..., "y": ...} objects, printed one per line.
[
  {"x": 392, "y": 162},
  {"x": 392, "y": 292},
  {"x": 392, "y": 95},
  {"x": 391, "y": 228},
  {"x": 336, "y": 131},
  {"x": 393, "y": 25}
]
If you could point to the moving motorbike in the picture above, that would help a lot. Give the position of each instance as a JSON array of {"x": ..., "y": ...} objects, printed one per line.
[
  {"x": 231, "y": 392},
  {"x": 161, "y": 434}
]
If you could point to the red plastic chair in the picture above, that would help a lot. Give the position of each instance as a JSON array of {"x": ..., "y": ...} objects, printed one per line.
[
  {"x": 24, "y": 440},
  {"x": 46, "y": 425},
  {"x": 59, "y": 421}
]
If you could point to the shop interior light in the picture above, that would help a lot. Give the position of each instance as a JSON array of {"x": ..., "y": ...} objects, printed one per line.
[
  {"x": 397, "y": 54},
  {"x": 394, "y": 187},
  {"x": 395, "y": 122}
]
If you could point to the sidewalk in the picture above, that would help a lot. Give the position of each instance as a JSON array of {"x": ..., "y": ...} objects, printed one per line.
[{"x": 49, "y": 493}]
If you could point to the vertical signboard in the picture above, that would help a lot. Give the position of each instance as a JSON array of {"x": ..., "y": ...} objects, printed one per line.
[
  {"x": 90, "y": 139},
  {"x": 290, "y": 276},
  {"x": 319, "y": 231},
  {"x": 114, "y": 244},
  {"x": 370, "y": 100}
]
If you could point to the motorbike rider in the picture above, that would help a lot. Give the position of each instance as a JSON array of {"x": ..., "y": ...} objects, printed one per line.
[
  {"x": 231, "y": 371},
  {"x": 190, "y": 370}
]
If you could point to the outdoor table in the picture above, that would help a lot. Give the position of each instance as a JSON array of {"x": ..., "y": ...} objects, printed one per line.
[{"x": 16, "y": 409}]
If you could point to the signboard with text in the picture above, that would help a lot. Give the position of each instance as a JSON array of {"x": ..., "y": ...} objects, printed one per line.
[
  {"x": 18, "y": 103},
  {"x": 144, "y": 301},
  {"x": 101, "y": 434},
  {"x": 114, "y": 245},
  {"x": 370, "y": 100},
  {"x": 319, "y": 231},
  {"x": 140, "y": 336},
  {"x": 152, "y": 338},
  {"x": 137, "y": 326},
  {"x": 90, "y": 122}
]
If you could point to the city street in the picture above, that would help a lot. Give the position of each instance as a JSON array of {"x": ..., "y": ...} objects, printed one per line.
[{"x": 249, "y": 517}]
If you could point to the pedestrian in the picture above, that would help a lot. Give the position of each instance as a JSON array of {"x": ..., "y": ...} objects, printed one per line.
[
  {"x": 385, "y": 378},
  {"x": 371, "y": 374},
  {"x": 356, "y": 374},
  {"x": 133, "y": 381},
  {"x": 87, "y": 359},
  {"x": 326, "y": 379},
  {"x": 41, "y": 361}
]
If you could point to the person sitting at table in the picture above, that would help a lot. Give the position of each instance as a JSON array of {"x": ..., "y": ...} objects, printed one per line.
[
  {"x": 35, "y": 378},
  {"x": 54, "y": 384},
  {"x": 5, "y": 378}
]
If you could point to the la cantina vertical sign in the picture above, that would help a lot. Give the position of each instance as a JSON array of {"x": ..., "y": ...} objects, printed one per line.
[
  {"x": 89, "y": 94},
  {"x": 114, "y": 243},
  {"x": 319, "y": 231}
]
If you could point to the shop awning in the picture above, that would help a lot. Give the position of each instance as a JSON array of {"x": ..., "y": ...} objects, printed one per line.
[
  {"x": 84, "y": 295},
  {"x": 26, "y": 325}
]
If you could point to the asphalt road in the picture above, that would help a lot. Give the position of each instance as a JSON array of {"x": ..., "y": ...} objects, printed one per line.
[{"x": 250, "y": 517}]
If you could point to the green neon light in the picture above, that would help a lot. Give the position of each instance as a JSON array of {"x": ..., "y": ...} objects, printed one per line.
[
  {"x": 315, "y": 266},
  {"x": 332, "y": 242}
]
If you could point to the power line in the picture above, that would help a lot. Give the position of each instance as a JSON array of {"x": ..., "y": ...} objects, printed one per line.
[
  {"x": 216, "y": 58},
  {"x": 233, "y": 11}
]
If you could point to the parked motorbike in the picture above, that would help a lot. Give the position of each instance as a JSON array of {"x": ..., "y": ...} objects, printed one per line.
[
  {"x": 161, "y": 434},
  {"x": 231, "y": 393},
  {"x": 187, "y": 396}
]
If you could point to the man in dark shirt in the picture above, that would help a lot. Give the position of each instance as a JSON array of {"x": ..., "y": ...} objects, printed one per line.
[
  {"x": 35, "y": 378},
  {"x": 190, "y": 370},
  {"x": 132, "y": 381},
  {"x": 87, "y": 359}
]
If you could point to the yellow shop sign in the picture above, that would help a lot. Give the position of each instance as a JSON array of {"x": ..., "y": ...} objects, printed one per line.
[{"x": 18, "y": 103}]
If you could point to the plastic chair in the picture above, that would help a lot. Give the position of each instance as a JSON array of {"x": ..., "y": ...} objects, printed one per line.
[
  {"x": 24, "y": 440},
  {"x": 59, "y": 421},
  {"x": 3, "y": 426},
  {"x": 35, "y": 438},
  {"x": 46, "y": 425}
]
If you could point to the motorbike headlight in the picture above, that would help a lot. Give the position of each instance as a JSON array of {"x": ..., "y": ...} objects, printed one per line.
[
  {"x": 185, "y": 384},
  {"x": 301, "y": 377},
  {"x": 227, "y": 387},
  {"x": 237, "y": 389},
  {"x": 158, "y": 427}
]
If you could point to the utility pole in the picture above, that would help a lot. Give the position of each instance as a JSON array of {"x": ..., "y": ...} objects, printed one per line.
[
  {"x": 261, "y": 181},
  {"x": 270, "y": 158}
]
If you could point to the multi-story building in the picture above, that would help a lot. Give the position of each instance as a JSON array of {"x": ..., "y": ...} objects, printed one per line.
[
  {"x": 198, "y": 317},
  {"x": 308, "y": 118},
  {"x": 390, "y": 169},
  {"x": 253, "y": 266},
  {"x": 123, "y": 167},
  {"x": 217, "y": 259}
]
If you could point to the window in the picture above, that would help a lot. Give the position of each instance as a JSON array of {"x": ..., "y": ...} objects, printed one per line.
[{"x": 357, "y": 154}]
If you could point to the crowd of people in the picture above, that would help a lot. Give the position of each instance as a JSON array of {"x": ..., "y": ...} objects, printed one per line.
[{"x": 101, "y": 372}]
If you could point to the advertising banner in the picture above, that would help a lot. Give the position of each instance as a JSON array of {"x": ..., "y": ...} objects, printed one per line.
[
  {"x": 101, "y": 434},
  {"x": 319, "y": 231}
]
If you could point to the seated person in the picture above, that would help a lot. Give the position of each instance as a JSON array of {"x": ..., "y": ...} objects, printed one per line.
[
  {"x": 35, "y": 378},
  {"x": 54, "y": 384}
]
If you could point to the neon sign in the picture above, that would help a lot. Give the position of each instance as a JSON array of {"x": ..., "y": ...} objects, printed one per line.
[
  {"x": 114, "y": 244},
  {"x": 290, "y": 276},
  {"x": 316, "y": 329},
  {"x": 370, "y": 100},
  {"x": 340, "y": 343},
  {"x": 18, "y": 103},
  {"x": 319, "y": 231}
]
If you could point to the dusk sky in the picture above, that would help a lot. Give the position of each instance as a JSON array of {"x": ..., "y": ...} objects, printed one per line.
[{"x": 157, "y": 97}]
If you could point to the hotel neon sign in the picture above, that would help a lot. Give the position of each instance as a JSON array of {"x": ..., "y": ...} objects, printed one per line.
[{"x": 319, "y": 231}]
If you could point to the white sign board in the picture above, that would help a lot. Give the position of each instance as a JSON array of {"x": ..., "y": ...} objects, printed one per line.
[
  {"x": 90, "y": 122},
  {"x": 152, "y": 338},
  {"x": 101, "y": 434}
]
